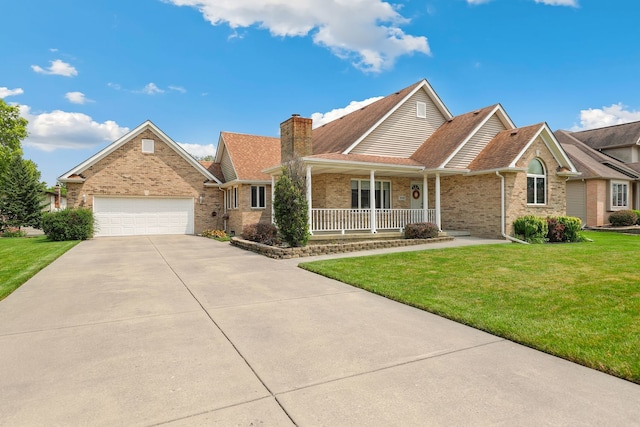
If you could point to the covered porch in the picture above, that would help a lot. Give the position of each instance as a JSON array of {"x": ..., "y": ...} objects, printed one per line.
[{"x": 363, "y": 198}]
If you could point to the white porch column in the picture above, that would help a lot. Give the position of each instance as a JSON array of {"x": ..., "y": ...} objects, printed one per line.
[
  {"x": 425, "y": 198},
  {"x": 372, "y": 201},
  {"x": 273, "y": 192},
  {"x": 438, "y": 222},
  {"x": 309, "y": 198}
]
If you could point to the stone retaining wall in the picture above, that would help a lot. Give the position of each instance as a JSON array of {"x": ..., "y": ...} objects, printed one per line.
[{"x": 332, "y": 248}]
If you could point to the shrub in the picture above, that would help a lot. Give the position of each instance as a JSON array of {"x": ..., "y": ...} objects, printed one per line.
[
  {"x": 215, "y": 234},
  {"x": 531, "y": 229},
  {"x": 421, "y": 230},
  {"x": 555, "y": 231},
  {"x": 638, "y": 215},
  {"x": 13, "y": 232},
  {"x": 623, "y": 218},
  {"x": 572, "y": 227},
  {"x": 261, "y": 232},
  {"x": 290, "y": 207},
  {"x": 68, "y": 224}
]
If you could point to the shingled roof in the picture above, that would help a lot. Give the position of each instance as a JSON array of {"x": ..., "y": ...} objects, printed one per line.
[
  {"x": 592, "y": 163},
  {"x": 503, "y": 150},
  {"x": 251, "y": 154},
  {"x": 435, "y": 150},
  {"x": 622, "y": 135}
]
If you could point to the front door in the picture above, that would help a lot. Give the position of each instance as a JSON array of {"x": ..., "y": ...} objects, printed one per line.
[{"x": 416, "y": 195}]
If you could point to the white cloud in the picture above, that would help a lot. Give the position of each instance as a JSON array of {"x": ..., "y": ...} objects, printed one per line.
[
  {"x": 572, "y": 3},
  {"x": 5, "y": 91},
  {"x": 114, "y": 86},
  {"x": 478, "y": 1},
  {"x": 198, "y": 150},
  {"x": 605, "y": 116},
  {"x": 150, "y": 89},
  {"x": 178, "y": 89},
  {"x": 58, "y": 67},
  {"x": 77, "y": 98},
  {"x": 61, "y": 129},
  {"x": 320, "y": 119},
  {"x": 365, "y": 31}
]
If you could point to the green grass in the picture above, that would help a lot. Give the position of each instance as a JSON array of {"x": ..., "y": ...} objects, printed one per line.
[
  {"x": 22, "y": 258},
  {"x": 578, "y": 301}
]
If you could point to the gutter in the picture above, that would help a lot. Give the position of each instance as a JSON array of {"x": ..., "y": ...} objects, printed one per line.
[{"x": 502, "y": 213}]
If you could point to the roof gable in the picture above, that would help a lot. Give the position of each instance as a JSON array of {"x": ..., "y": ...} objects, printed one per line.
[
  {"x": 251, "y": 154},
  {"x": 343, "y": 134},
  {"x": 76, "y": 172},
  {"x": 437, "y": 150},
  {"x": 504, "y": 150}
]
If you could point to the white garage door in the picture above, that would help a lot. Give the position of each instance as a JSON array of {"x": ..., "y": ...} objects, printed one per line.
[{"x": 138, "y": 216}]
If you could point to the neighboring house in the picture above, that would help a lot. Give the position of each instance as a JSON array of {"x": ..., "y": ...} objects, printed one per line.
[
  {"x": 610, "y": 171},
  {"x": 402, "y": 159},
  {"x": 145, "y": 183},
  {"x": 53, "y": 201}
]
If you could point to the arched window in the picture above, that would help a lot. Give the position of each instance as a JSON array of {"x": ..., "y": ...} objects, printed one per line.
[{"x": 536, "y": 183}]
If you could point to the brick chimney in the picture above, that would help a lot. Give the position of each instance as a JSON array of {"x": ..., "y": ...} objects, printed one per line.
[{"x": 295, "y": 138}]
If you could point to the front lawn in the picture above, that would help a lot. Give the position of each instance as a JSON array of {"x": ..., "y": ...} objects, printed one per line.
[
  {"x": 579, "y": 301},
  {"x": 22, "y": 258}
]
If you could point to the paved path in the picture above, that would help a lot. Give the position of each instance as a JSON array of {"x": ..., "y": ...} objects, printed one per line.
[{"x": 182, "y": 331}]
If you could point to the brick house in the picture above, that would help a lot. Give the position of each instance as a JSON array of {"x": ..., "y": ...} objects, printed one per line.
[
  {"x": 475, "y": 172},
  {"x": 609, "y": 162}
]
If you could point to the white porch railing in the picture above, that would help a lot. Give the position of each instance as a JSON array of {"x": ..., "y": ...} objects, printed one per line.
[{"x": 360, "y": 219}]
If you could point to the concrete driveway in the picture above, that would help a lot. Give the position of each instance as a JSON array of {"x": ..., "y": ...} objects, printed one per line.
[{"x": 183, "y": 331}]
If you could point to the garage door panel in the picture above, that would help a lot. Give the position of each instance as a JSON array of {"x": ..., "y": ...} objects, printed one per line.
[{"x": 142, "y": 216}]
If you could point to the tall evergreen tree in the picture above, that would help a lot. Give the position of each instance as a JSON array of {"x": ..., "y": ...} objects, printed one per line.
[{"x": 21, "y": 196}]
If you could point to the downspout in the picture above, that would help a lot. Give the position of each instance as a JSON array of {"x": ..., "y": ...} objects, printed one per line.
[{"x": 502, "y": 213}]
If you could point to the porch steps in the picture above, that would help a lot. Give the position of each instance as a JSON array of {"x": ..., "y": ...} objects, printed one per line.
[{"x": 457, "y": 233}]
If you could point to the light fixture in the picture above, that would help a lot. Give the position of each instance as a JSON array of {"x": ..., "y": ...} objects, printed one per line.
[
  {"x": 201, "y": 199},
  {"x": 84, "y": 198}
]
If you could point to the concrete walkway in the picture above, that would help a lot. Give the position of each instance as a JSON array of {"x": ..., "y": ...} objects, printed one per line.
[{"x": 183, "y": 331}]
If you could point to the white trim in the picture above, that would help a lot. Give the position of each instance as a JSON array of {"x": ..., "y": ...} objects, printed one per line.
[
  {"x": 611, "y": 206},
  {"x": 77, "y": 170},
  {"x": 430, "y": 93},
  {"x": 554, "y": 147}
]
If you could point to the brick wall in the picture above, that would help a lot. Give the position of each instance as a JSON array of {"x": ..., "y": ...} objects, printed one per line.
[
  {"x": 245, "y": 214},
  {"x": 127, "y": 172},
  {"x": 333, "y": 191},
  {"x": 597, "y": 214},
  {"x": 295, "y": 138}
]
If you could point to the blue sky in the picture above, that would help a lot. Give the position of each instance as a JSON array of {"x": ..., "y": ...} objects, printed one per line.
[{"x": 85, "y": 72}]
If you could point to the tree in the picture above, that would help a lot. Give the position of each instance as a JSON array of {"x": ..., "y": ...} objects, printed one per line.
[
  {"x": 13, "y": 129},
  {"x": 291, "y": 210},
  {"x": 21, "y": 196}
]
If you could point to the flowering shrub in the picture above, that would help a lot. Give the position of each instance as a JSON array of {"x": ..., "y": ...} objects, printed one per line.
[{"x": 421, "y": 230}]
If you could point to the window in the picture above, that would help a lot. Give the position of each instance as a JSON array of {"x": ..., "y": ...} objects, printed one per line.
[
  {"x": 147, "y": 145},
  {"x": 619, "y": 195},
  {"x": 536, "y": 183},
  {"x": 232, "y": 198},
  {"x": 421, "y": 110},
  {"x": 361, "y": 194},
  {"x": 258, "y": 196}
]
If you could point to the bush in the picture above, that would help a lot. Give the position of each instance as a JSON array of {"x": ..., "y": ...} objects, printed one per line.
[
  {"x": 421, "y": 230},
  {"x": 13, "y": 232},
  {"x": 290, "y": 207},
  {"x": 215, "y": 234},
  {"x": 261, "y": 232},
  {"x": 68, "y": 224},
  {"x": 572, "y": 227},
  {"x": 623, "y": 218},
  {"x": 531, "y": 229},
  {"x": 638, "y": 215},
  {"x": 556, "y": 230}
]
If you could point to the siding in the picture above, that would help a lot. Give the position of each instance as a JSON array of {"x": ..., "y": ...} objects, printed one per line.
[
  {"x": 402, "y": 133},
  {"x": 477, "y": 143},
  {"x": 576, "y": 200},
  {"x": 227, "y": 166}
]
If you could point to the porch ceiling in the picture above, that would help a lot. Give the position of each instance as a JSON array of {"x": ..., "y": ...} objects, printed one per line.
[{"x": 361, "y": 170}]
